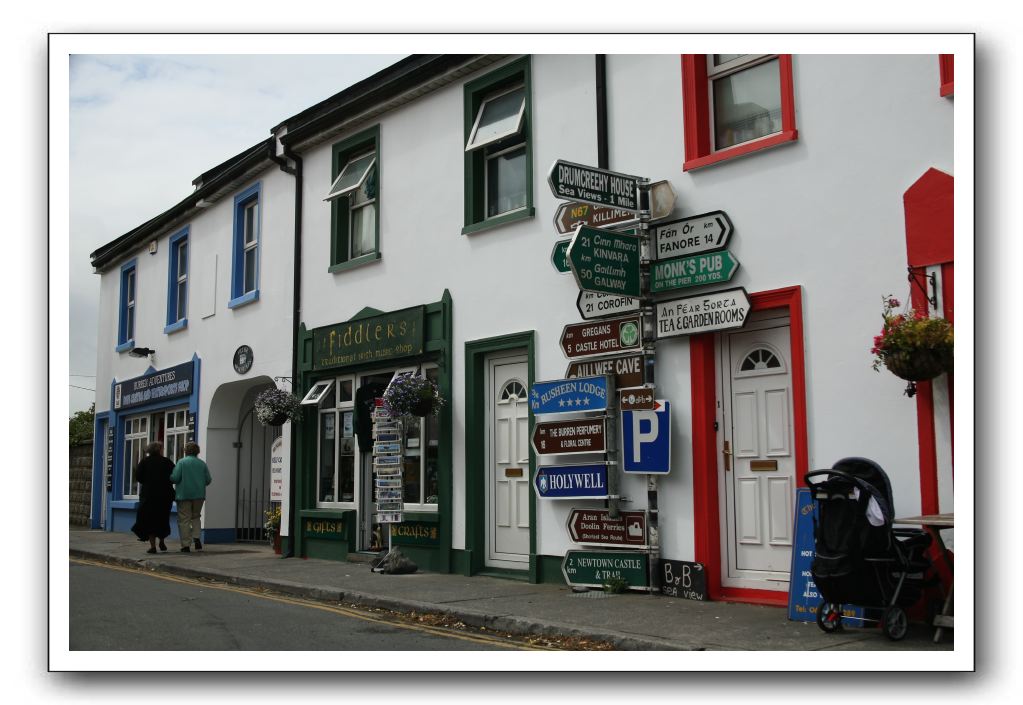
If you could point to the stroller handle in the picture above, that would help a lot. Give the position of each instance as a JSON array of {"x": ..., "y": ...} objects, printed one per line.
[{"x": 816, "y": 473}]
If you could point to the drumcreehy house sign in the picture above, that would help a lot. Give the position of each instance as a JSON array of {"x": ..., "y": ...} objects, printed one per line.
[
  {"x": 157, "y": 386},
  {"x": 384, "y": 337}
]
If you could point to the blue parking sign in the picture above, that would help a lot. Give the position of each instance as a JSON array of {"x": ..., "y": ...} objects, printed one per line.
[{"x": 646, "y": 439}]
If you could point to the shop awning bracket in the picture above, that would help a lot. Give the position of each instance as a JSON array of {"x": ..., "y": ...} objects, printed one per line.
[{"x": 932, "y": 279}]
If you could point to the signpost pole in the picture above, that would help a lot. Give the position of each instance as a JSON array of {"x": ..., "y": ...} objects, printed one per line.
[{"x": 649, "y": 344}]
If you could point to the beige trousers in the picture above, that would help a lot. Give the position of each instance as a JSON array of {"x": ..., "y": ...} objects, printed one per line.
[{"x": 189, "y": 511}]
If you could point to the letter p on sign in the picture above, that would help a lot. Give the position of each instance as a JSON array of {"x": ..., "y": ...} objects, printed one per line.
[{"x": 646, "y": 440}]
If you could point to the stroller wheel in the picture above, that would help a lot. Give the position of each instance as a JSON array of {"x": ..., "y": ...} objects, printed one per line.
[
  {"x": 895, "y": 623},
  {"x": 829, "y": 617}
]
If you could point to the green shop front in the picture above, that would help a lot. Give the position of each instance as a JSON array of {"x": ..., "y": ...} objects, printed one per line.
[{"x": 343, "y": 368}]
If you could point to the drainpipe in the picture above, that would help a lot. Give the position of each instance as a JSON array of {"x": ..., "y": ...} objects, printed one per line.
[
  {"x": 602, "y": 142},
  {"x": 296, "y": 297}
]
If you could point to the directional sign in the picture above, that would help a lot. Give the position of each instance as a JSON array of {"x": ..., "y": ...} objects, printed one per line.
[
  {"x": 715, "y": 310},
  {"x": 559, "y": 256},
  {"x": 696, "y": 270},
  {"x": 689, "y": 236},
  {"x": 605, "y": 261},
  {"x": 597, "y": 528},
  {"x": 564, "y": 395},
  {"x": 577, "y": 182},
  {"x": 646, "y": 440},
  {"x": 570, "y": 215},
  {"x": 594, "y": 304},
  {"x": 601, "y": 337},
  {"x": 594, "y": 568},
  {"x": 571, "y": 481},
  {"x": 683, "y": 579},
  {"x": 567, "y": 437},
  {"x": 626, "y": 369},
  {"x": 639, "y": 398}
]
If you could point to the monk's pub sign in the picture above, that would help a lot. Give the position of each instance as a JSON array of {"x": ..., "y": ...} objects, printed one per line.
[{"x": 374, "y": 339}]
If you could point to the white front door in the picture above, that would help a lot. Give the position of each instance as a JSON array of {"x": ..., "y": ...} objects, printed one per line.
[
  {"x": 757, "y": 467},
  {"x": 508, "y": 463}
]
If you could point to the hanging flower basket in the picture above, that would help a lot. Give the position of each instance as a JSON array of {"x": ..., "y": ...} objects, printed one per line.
[
  {"x": 913, "y": 346},
  {"x": 275, "y": 407},
  {"x": 409, "y": 395}
]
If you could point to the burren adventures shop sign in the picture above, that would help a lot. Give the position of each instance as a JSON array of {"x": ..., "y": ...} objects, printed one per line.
[
  {"x": 384, "y": 337},
  {"x": 159, "y": 386}
]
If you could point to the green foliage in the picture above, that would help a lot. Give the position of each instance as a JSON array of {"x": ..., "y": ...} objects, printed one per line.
[
  {"x": 616, "y": 586},
  {"x": 81, "y": 424},
  {"x": 908, "y": 333}
]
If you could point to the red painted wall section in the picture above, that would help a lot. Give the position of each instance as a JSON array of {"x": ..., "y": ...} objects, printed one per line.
[{"x": 929, "y": 212}]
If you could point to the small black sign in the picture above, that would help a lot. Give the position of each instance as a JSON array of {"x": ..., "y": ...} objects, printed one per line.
[
  {"x": 243, "y": 359},
  {"x": 683, "y": 579}
]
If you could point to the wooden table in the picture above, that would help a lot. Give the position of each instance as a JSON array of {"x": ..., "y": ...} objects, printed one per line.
[{"x": 934, "y": 523}]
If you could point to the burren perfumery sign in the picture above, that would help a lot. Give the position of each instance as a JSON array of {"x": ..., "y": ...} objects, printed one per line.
[
  {"x": 384, "y": 337},
  {"x": 158, "y": 386}
]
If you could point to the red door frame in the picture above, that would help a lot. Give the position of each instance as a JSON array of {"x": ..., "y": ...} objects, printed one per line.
[{"x": 706, "y": 517}]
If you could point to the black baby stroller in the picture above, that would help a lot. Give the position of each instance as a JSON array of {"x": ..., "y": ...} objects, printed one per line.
[{"x": 860, "y": 559}]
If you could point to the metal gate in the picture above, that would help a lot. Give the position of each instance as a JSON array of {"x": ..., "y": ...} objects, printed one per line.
[{"x": 252, "y": 479}]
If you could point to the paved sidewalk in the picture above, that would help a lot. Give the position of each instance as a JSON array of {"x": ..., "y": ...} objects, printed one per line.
[{"x": 631, "y": 621}]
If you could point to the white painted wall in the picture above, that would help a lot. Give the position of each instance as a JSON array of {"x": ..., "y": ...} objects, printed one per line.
[{"x": 824, "y": 213}]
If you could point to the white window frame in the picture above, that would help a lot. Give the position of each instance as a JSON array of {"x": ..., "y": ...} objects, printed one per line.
[
  {"x": 338, "y": 411},
  {"x": 136, "y": 434},
  {"x": 335, "y": 194},
  {"x": 248, "y": 245},
  {"x": 425, "y": 442},
  {"x": 471, "y": 144},
  {"x": 487, "y": 157},
  {"x": 129, "y": 304},
  {"x": 181, "y": 288},
  {"x": 314, "y": 397},
  {"x": 171, "y": 427},
  {"x": 731, "y": 68}
]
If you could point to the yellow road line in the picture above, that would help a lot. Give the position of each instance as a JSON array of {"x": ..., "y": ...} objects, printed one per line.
[{"x": 479, "y": 639}]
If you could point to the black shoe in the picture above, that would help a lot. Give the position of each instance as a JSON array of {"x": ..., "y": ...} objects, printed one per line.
[
  {"x": 198, "y": 545},
  {"x": 150, "y": 550},
  {"x": 186, "y": 549},
  {"x": 163, "y": 546}
]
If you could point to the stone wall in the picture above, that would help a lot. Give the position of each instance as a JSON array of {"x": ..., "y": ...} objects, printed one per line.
[{"x": 80, "y": 477}]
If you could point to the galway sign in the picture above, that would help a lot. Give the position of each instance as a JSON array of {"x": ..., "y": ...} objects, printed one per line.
[
  {"x": 564, "y": 395},
  {"x": 605, "y": 261},
  {"x": 713, "y": 311},
  {"x": 577, "y": 182},
  {"x": 571, "y": 481}
]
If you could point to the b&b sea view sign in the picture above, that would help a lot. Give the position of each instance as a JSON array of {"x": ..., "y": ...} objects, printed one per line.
[
  {"x": 697, "y": 270},
  {"x": 158, "y": 386},
  {"x": 713, "y": 311},
  {"x": 571, "y": 481},
  {"x": 384, "y": 337},
  {"x": 577, "y": 182},
  {"x": 594, "y": 568},
  {"x": 564, "y": 395},
  {"x": 605, "y": 261}
]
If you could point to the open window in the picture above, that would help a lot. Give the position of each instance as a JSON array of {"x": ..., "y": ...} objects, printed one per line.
[
  {"x": 499, "y": 117},
  {"x": 318, "y": 391}
]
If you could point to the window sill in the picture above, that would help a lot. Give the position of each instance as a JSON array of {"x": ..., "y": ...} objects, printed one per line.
[
  {"x": 499, "y": 220},
  {"x": 125, "y": 346},
  {"x": 360, "y": 261},
  {"x": 244, "y": 299},
  {"x": 124, "y": 504},
  {"x": 176, "y": 326},
  {"x": 740, "y": 150}
]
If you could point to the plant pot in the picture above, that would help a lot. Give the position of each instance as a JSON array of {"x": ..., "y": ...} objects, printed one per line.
[
  {"x": 920, "y": 364},
  {"x": 278, "y": 419},
  {"x": 277, "y": 542},
  {"x": 423, "y": 407}
]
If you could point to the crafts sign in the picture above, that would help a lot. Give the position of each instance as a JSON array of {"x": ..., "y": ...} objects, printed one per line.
[
  {"x": 570, "y": 215},
  {"x": 605, "y": 261},
  {"x": 597, "y": 528},
  {"x": 571, "y": 481},
  {"x": 594, "y": 568},
  {"x": 689, "y": 236},
  {"x": 564, "y": 395},
  {"x": 713, "y": 311},
  {"x": 698, "y": 270},
  {"x": 565, "y": 437},
  {"x": 600, "y": 338},
  {"x": 626, "y": 369},
  {"x": 587, "y": 184}
]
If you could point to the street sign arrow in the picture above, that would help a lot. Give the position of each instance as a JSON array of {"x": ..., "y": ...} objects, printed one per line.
[
  {"x": 696, "y": 270},
  {"x": 569, "y": 215},
  {"x": 689, "y": 236},
  {"x": 638, "y": 398},
  {"x": 605, "y": 261},
  {"x": 595, "y": 527},
  {"x": 568, "y": 437},
  {"x": 559, "y": 256},
  {"x": 595, "y": 568},
  {"x": 610, "y": 335},
  {"x": 627, "y": 370},
  {"x": 703, "y": 313},
  {"x": 578, "y": 182},
  {"x": 596, "y": 304},
  {"x": 559, "y": 396}
]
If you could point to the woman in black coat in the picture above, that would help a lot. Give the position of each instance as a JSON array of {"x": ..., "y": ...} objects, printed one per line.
[{"x": 156, "y": 494}]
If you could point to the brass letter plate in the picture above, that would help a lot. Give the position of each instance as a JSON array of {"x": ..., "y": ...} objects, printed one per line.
[
  {"x": 513, "y": 472},
  {"x": 763, "y": 465}
]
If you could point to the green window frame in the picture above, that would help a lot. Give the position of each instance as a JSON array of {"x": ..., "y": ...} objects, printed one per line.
[
  {"x": 344, "y": 207},
  {"x": 480, "y": 158}
]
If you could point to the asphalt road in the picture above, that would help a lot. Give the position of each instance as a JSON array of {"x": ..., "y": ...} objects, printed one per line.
[{"x": 120, "y": 609}]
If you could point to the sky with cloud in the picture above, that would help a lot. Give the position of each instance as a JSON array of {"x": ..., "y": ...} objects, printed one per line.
[{"x": 143, "y": 126}]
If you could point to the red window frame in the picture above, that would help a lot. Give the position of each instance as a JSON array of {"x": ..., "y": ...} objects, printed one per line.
[
  {"x": 946, "y": 65},
  {"x": 696, "y": 115}
]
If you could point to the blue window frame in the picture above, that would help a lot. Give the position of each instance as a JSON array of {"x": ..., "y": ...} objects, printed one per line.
[
  {"x": 126, "y": 309},
  {"x": 245, "y": 258},
  {"x": 177, "y": 283}
]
